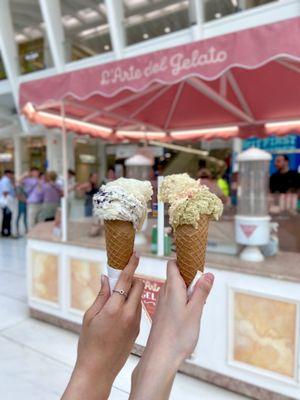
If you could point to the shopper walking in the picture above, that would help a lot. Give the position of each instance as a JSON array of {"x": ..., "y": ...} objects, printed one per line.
[
  {"x": 22, "y": 208},
  {"x": 51, "y": 195}
]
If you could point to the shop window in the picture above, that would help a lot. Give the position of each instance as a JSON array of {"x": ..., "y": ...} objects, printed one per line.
[
  {"x": 86, "y": 29},
  {"x": 145, "y": 20},
  {"x": 215, "y": 9},
  {"x": 30, "y": 36}
]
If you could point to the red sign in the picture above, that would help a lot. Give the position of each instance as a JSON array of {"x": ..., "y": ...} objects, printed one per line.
[
  {"x": 150, "y": 294},
  {"x": 248, "y": 229}
]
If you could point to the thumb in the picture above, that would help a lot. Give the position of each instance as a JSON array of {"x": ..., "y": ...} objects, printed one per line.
[
  {"x": 201, "y": 290},
  {"x": 100, "y": 300}
]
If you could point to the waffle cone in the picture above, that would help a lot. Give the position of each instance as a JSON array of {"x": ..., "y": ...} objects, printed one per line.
[
  {"x": 119, "y": 237},
  {"x": 191, "y": 248}
]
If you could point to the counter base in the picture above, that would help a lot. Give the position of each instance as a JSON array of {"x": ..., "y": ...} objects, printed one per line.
[{"x": 194, "y": 371}]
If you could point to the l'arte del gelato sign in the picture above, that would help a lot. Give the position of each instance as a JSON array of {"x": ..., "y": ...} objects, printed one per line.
[
  {"x": 173, "y": 64},
  {"x": 150, "y": 294}
]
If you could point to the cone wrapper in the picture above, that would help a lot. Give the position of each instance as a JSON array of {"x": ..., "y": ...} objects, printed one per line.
[
  {"x": 119, "y": 238},
  {"x": 191, "y": 249}
]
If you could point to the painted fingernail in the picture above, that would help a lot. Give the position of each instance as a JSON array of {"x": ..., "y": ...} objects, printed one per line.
[{"x": 208, "y": 277}]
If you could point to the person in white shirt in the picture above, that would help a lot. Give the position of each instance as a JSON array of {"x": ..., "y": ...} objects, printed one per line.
[
  {"x": 7, "y": 193},
  {"x": 6, "y": 203}
]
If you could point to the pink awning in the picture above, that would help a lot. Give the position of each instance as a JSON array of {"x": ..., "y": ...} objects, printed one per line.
[{"x": 231, "y": 85}]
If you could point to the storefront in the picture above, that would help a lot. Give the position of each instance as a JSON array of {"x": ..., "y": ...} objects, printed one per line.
[{"x": 222, "y": 88}]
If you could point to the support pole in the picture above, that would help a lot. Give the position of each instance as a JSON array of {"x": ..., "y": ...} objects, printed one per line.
[
  {"x": 17, "y": 156},
  {"x": 64, "y": 200},
  {"x": 160, "y": 223}
]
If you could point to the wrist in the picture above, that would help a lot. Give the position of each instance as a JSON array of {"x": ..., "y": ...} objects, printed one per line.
[
  {"x": 87, "y": 384},
  {"x": 157, "y": 363}
]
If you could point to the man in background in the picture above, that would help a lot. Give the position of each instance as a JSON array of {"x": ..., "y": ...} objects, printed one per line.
[{"x": 284, "y": 180}]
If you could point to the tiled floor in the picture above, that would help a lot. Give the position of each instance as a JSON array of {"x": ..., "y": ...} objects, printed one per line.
[{"x": 36, "y": 359}]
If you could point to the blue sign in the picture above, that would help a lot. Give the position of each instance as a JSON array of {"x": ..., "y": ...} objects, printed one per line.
[{"x": 277, "y": 145}]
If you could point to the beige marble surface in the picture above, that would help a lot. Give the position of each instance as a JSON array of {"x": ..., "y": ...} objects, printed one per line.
[
  {"x": 45, "y": 276},
  {"x": 85, "y": 282},
  {"x": 284, "y": 266},
  {"x": 264, "y": 333}
]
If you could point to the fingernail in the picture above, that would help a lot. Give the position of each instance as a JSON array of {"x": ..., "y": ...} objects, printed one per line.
[
  {"x": 208, "y": 277},
  {"x": 137, "y": 254}
]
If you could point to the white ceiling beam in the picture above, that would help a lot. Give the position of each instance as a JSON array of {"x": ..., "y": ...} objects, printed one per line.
[
  {"x": 288, "y": 65},
  {"x": 211, "y": 94},
  {"x": 8, "y": 47},
  {"x": 55, "y": 32},
  {"x": 223, "y": 86},
  {"x": 115, "y": 16},
  {"x": 174, "y": 104},
  {"x": 239, "y": 94}
]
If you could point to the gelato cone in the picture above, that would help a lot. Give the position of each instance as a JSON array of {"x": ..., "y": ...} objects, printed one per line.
[
  {"x": 119, "y": 237},
  {"x": 192, "y": 206},
  {"x": 123, "y": 206},
  {"x": 191, "y": 248}
]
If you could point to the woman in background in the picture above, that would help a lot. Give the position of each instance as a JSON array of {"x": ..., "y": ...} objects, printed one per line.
[
  {"x": 52, "y": 194},
  {"x": 89, "y": 188},
  {"x": 22, "y": 208}
]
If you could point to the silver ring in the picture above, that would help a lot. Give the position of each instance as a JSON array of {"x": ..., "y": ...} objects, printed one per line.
[{"x": 121, "y": 292}]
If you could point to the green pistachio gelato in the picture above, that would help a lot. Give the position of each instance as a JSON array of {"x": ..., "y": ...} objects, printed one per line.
[{"x": 188, "y": 200}]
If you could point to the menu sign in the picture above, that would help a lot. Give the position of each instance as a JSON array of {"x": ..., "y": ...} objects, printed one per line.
[{"x": 150, "y": 294}]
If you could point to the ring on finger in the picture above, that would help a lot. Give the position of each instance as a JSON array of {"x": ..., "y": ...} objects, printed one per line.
[{"x": 121, "y": 292}]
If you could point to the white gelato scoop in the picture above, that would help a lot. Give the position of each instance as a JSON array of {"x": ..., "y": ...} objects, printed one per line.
[{"x": 124, "y": 200}]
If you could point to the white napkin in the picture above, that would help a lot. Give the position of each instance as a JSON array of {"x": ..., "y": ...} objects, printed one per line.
[{"x": 113, "y": 276}]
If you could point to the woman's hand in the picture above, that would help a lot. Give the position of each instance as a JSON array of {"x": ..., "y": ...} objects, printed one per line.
[
  {"x": 173, "y": 336},
  {"x": 110, "y": 327}
]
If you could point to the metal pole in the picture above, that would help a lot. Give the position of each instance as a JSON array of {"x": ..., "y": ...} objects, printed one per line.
[
  {"x": 160, "y": 223},
  {"x": 64, "y": 200}
]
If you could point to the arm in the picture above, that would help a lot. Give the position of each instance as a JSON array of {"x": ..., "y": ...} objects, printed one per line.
[
  {"x": 110, "y": 327},
  {"x": 173, "y": 336},
  {"x": 83, "y": 186},
  {"x": 23, "y": 176}
]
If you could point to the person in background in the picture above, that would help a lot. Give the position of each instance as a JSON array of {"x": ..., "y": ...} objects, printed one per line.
[
  {"x": 7, "y": 193},
  {"x": 7, "y": 183},
  {"x": 51, "y": 195},
  {"x": 89, "y": 188},
  {"x": 72, "y": 185},
  {"x": 32, "y": 184},
  {"x": 111, "y": 174},
  {"x": 206, "y": 179},
  {"x": 284, "y": 180},
  {"x": 22, "y": 208},
  {"x": 71, "y": 180},
  {"x": 223, "y": 184},
  {"x": 7, "y": 205}
]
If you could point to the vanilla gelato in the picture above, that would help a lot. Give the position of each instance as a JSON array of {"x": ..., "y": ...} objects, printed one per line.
[
  {"x": 188, "y": 200},
  {"x": 124, "y": 200}
]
